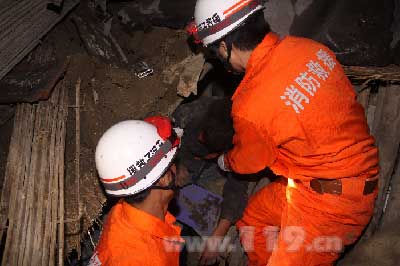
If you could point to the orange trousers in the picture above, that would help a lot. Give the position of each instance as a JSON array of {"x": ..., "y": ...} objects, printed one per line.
[{"x": 292, "y": 225}]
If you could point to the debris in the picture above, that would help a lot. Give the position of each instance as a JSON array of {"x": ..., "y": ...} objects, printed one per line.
[
  {"x": 206, "y": 69},
  {"x": 188, "y": 71},
  {"x": 35, "y": 83},
  {"x": 122, "y": 54},
  {"x": 190, "y": 76},
  {"x": 142, "y": 69},
  {"x": 123, "y": 17},
  {"x": 96, "y": 43},
  {"x": 107, "y": 25},
  {"x": 147, "y": 7},
  {"x": 164, "y": 13},
  {"x": 95, "y": 97},
  {"x": 102, "y": 5}
]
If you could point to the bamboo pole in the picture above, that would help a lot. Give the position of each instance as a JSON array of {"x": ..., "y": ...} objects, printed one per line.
[
  {"x": 38, "y": 227},
  {"x": 7, "y": 192},
  {"x": 55, "y": 195},
  {"x": 12, "y": 170},
  {"x": 54, "y": 202},
  {"x": 61, "y": 153},
  {"x": 33, "y": 172},
  {"x": 18, "y": 167},
  {"x": 36, "y": 165},
  {"x": 24, "y": 215},
  {"x": 78, "y": 150},
  {"x": 46, "y": 239}
]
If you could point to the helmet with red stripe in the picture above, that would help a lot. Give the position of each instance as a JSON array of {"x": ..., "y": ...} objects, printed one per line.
[
  {"x": 132, "y": 155},
  {"x": 215, "y": 19}
]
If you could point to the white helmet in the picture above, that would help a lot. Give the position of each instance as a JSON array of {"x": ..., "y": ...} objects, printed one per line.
[
  {"x": 132, "y": 155},
  {"x": 216, "y": 18}
]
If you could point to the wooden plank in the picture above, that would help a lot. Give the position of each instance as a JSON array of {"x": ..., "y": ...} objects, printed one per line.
[
  {"x": 365, "y": 74},
  {"x": 385, "y": 130},
  {"x": 363, "y": 97},
  {"x": 391, "y": 214}
]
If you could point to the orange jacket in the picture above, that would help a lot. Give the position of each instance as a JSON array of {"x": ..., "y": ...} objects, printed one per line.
[
  {"x": 296, "y": 112},
  {"x": 133, "y": 237}
]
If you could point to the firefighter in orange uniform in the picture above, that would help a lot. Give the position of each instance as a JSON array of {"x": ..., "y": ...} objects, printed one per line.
[
  {"x": 295, "y": 112},
  {"x": 135, "y": 162}
]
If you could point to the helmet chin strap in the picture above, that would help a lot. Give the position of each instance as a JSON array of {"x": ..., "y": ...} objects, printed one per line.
[
  {"x": 171, "y": 186},
  {"x": 227, "y": 62},
  {"x": 229, "y": 51}
]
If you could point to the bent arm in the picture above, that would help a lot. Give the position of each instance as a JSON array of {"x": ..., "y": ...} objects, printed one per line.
[{"x": 253, "y": 149}]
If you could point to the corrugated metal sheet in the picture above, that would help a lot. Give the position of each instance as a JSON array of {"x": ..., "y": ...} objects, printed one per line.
[{"x": 22, "y": 24}]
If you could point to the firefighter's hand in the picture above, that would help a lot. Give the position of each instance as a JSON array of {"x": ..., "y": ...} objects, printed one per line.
[
  {"x": 213, "y": 249},
  {"x": 211, "y": 252}
]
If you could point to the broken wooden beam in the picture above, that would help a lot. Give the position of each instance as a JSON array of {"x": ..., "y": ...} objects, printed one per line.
[
  {"x": 95, "y": 42},
  {"x": 33, "y": 83}
]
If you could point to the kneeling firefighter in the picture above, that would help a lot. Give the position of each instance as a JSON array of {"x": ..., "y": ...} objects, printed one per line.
[
  {"x": 135, "y": 162},
  {"x": 296, "y": 113}
]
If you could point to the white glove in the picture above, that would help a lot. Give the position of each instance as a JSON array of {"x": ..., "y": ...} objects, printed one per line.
[{"x": 221, "y": 163}]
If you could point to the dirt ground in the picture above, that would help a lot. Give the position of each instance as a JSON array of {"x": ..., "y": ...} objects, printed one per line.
[{"x": 383, "y": 249}]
